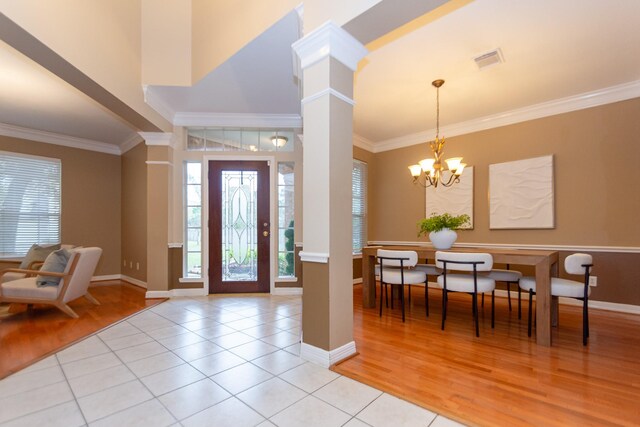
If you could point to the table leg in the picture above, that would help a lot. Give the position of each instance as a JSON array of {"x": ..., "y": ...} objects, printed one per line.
[
  {"x": 368, "y": 281},
  {"x": 543, "y": 303}
]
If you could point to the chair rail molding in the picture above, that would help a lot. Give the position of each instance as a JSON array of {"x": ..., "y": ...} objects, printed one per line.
[{"x": 573, "y": 248}]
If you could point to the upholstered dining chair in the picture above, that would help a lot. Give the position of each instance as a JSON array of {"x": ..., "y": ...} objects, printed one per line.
[
  {"x": 509, "y": 277},
  {"x": 577, "y": 264},
  {"x": 455, "y": 277},
  {"x": 395, "y": 270},
  {"x": 74, "y": 283}
]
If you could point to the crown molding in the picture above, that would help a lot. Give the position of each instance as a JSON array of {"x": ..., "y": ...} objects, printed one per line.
[
  {"x": 157, "y": 103},
  {"x": 238, "y": 120},
  {"x": 364, "y": 143},
  {"x": 329, "y": 40},
  {"x": 581, "y": 101},
  {"x": 130, "y": 142},
  {"x": 58, "y": 139},
  {"x": 158, "y": 138}
]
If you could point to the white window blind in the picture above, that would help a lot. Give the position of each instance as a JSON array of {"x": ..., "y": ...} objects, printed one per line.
[
  {"x": 29, "y": 202},
  {"x": 359, "y": 205}
]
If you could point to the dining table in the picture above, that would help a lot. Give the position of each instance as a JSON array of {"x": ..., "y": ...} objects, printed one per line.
[{"x": 545, "y": 263}]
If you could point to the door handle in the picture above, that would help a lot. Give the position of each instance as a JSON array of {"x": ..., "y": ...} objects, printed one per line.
[{"x": 265, "y": 233}]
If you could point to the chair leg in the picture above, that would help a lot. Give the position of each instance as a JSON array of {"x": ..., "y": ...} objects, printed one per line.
[
  {"x": 386, "y": 294},
  {"x": 444, "y": 307},
  {"x": 381, "y": 298},
  {"x": 530, "y": 302},
  {"x": 585, "y": 322},
  {"x": 493, "y": 311},
  {"x": 482, "y": 300},
  {"x": 426, "y": 297},
  {"x": 409, "y": 294},
  {"x": 509, "y": 294},
  {"x": 95, "y": 301},
  {"x": 67, "y": 310},
  {"x": 402, "y": 301},
  {"x": 519, "y": 302},
  {"x": 475, "y": 316},
  {"x": 392, "y": 296}
]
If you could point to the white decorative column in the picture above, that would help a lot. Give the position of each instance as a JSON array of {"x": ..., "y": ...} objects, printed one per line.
[
  {"x": 159, "y": 178},
  {"x": 329, "y": 56}
]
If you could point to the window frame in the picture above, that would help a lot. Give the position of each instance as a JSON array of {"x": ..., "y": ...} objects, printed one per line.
[
  {"x": 362, "y": 166},
  {"x": 186, "y": 227}
]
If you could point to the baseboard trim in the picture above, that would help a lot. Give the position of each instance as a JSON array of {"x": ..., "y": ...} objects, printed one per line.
[
  {"x": 105, "y": 277},
  {"x": 327, "y": 358},
  {"x": 286, "y": 291},
  {"x": 133, "y": 281}
]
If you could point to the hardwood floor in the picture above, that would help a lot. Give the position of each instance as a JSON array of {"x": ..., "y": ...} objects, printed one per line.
[
  {"x": 502, "y": 378},
  {"x": 28, "y": 337}
]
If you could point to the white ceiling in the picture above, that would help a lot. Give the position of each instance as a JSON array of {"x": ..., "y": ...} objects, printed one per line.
[
  {"x": 552, "y": 49},
  {"x": 31, "y": 97}
]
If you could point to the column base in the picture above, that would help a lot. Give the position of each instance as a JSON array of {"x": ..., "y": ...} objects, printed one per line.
[{"x": 327, "y": 358}]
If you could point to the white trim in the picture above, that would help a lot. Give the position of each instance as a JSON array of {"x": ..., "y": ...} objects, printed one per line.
[
  {"x": 319, "y": 257},
  {"x": 158, "y": 162},
  {"x": 581, "y": 101},
  {"x": 130, "y": 143},
  {"x": 191, "y": 280},
  {"x": 195, "y": 292},
  {"x": 133, "y": 281},
  {"x": 571, "y": 248},
  {"x": 106, "y": 277},
  {"x": 329, "y": 40},
  {"x": 58, "y": 139},
  {"x": 328, "y": 91},
  {"x": 164, "y": 139},
  {"x": 327, "y": 358},
  {"x": 364, "y": 143},
  {"x": 286, "y": 279},
  {"x": 157, "y": 103},
  {"x": 603, "y": 305},
  {"x": 238, "y": 120},
  {"x": 286, "y": 291},
  {"x": 175, "y": 245}
]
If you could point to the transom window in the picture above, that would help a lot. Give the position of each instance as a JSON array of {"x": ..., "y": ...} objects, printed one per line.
[{"x": 228, "y": 139}]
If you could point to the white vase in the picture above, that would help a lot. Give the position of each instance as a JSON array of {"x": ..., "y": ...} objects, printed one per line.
[{"x": 443, "y": 239}]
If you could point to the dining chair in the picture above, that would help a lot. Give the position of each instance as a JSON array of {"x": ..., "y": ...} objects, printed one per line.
[
  {"x": 395, "y": 270},
  {"x": 461, "y": 264},
  {"x": 509, "y": 277},
  {"x": 577, "y": 264},
  {"x": 429, "y": 270}
]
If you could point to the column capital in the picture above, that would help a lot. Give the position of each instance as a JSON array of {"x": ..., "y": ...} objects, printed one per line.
[
  {"x": 158, "y": 138},
  {"x": 329, "y": 40}
]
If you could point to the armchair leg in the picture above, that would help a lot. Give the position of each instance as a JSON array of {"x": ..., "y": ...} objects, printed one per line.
[
  {"x": 67, "y": 310},
  {"x": 91, "y": 298}
]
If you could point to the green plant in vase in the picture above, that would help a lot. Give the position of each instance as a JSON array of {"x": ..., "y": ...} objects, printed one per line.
[{"x": 441, "y": 228}]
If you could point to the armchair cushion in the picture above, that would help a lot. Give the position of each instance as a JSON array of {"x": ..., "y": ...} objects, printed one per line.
[
  {"x": 27, "y": 288},
  {"x": 56, "y": 262},
  {"x": 37, "y": 253}
]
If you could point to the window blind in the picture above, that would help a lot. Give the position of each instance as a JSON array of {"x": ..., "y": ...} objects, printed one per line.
[
  {"x": 29, "y": 202},
  {"x": 359, "y": 205}
]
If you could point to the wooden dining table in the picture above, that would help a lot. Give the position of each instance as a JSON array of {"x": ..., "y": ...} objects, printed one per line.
[{"x": 545, "y": 263}]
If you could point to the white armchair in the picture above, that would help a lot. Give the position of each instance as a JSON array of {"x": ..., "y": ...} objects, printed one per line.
[{"x": 74, "y": 283}]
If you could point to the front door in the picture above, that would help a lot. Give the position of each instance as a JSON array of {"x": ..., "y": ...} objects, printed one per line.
[{"x": 239, "y": 226}]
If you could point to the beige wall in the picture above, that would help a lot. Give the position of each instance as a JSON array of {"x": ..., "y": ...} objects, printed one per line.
[
  {"x": 134, "y": 212},
  {"x": 596, "y": 152},
  {"x": 90, "y": 197}
]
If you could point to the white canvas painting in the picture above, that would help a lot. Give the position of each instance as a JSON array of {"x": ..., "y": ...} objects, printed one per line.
[
  {"x": 521, "y": 194},
  {"x": 456, "y": 200}
]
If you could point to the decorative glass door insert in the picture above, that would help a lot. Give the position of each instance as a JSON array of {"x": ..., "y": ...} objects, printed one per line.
[{"x": 239, "y": 226}]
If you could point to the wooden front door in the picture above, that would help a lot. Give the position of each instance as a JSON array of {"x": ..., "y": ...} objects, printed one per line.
[{"x": 239, "y": 226}]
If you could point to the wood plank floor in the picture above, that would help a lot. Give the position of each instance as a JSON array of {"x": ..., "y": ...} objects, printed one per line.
[
  {"x": 502, "y": 378},
  {"x": 28, "y": 337}
]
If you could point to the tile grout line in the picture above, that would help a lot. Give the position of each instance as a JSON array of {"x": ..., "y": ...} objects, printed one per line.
[{"x": 75, "y": 398}]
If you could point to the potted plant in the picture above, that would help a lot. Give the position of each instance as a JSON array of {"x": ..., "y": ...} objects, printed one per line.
[{"x": 441, "y": 228}]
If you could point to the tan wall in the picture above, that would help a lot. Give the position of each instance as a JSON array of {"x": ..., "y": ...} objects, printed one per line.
[
  {"x": 90, "y": 197},
  {"x": 596, "y": 152},
  {"x": 134, "y": 212}
]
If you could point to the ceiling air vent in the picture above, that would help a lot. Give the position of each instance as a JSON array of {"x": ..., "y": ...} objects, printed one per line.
[{"x": 489, "y": 59}]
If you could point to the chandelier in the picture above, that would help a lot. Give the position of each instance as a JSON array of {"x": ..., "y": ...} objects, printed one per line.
[{"x": 429, "y": 172}]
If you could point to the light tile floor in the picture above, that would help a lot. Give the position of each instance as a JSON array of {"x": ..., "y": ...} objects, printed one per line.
[{"x": 208, "y": 361}]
